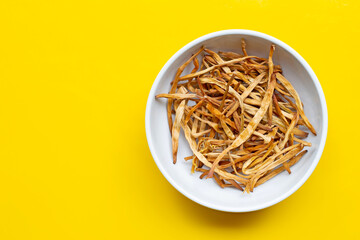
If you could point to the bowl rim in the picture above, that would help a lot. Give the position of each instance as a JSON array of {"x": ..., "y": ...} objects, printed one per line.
[{"x": 324, "y": 123}]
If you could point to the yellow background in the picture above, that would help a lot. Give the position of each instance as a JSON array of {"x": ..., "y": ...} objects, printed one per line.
[{"x": 74, "y": 80}]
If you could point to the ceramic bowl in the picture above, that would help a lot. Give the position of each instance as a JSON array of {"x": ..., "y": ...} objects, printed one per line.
[{"x": 207, "y": 192}]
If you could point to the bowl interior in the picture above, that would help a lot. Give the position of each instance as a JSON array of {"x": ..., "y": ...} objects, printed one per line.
[{"x": 207, "y": 192}]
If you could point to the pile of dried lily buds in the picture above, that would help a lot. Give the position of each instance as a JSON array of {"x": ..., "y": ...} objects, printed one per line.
[{"x": 240, "y": 116}]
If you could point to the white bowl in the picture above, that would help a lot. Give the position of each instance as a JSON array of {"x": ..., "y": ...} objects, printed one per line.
[{"x": 207, "y": 192}]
